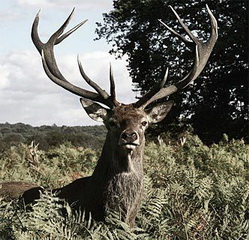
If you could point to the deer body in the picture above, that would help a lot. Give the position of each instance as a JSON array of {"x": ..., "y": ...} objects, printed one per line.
[{"x": 117, "y": 181}]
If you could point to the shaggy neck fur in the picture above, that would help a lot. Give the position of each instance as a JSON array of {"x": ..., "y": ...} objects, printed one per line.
[{"x": 121, "y": 178}]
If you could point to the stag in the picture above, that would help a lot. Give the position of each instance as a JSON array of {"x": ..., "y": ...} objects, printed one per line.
[{"x": 117, "y": 181}]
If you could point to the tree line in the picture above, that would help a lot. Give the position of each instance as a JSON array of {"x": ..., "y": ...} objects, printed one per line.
[{"x": 51, "y": 136}]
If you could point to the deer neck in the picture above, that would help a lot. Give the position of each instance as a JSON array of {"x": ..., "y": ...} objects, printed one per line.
[{"x": 119, "y": 177}]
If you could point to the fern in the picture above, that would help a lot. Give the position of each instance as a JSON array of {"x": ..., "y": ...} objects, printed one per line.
[{"x": 191, "y": 191}]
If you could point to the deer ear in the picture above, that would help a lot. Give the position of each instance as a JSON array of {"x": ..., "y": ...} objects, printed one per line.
[
  {"x": 94, "y": 110},
  {"x": 159, "y": 111}
]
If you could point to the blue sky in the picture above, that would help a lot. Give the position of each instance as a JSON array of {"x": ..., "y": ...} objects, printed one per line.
[{"x": 26, "y": 94}]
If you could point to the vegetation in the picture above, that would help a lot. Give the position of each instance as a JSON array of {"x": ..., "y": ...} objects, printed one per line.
[
  {"x": 51, "y": 136},
  {"x": 217, "y": 102},
  {"x": 192, "y": 191}
]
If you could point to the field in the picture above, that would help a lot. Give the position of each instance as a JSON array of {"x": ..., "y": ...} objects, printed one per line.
[{"x": 192, "y": 191}]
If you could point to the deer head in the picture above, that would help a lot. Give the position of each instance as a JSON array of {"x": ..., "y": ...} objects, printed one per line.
[{"x": 126, "y": 124}]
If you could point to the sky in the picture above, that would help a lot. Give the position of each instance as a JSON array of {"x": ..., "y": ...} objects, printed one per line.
[{"x": 27, "y": 95}]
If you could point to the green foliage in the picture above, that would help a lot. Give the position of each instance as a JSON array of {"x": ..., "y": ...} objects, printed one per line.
[
  {"x": 206, "y": 189},
  {"x": 55, "y": 167},
  {"x": 51, "y": 136},
  {"x": 192, "y": 191}
]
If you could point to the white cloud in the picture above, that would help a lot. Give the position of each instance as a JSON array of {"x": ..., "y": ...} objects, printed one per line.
[
  {"x": 4, "y": 76},
  {"x": 91, "y": 4},
  {"x": 8, "y": 16},
  {"x": 19, "y": 10}
]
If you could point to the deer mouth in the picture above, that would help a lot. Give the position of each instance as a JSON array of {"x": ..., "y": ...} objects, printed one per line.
[{"x": 130, "y": 145}]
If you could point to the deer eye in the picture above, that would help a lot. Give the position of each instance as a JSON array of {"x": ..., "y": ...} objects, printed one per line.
[{"x": 144, "y": 123}]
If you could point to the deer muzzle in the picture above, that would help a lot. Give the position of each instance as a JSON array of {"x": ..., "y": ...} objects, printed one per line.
[{"x": 129, "y": 139}]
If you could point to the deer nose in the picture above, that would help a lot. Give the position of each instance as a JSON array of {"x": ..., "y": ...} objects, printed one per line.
[{"x": 129, "y": 136}]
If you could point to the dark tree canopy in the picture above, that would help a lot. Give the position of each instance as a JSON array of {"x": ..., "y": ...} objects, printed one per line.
[{"x": 217, "y": 102}]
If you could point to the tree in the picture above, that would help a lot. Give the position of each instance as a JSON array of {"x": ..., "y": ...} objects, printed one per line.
[{"x": 217, "y": 102}]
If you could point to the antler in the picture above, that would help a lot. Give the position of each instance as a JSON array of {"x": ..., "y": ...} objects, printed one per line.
[
  {"x": 50, "y": 66},
  {"x": 202, "y": 53}
]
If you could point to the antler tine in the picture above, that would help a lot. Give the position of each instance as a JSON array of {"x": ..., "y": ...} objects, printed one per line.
[
  {"x": 190, "y": 34},
  {"x": 202, "y": 54},
  {"x": 112, "y": 85},
  {"x": 65, "y": 35},
  {"x": 51, "y": 68},
  {"x": 148, "y": 97},
  {"x": 57, "y": 34},
  {"x": 214, "y": 33},
  {"x": 176, "y": 33},
  {"x": 34, "y": 33},
  {"x": 94, "y": 85}
]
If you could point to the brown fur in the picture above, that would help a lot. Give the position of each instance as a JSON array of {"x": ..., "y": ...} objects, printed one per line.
[{"x": 12, "y": 190}]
